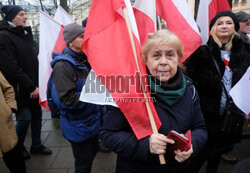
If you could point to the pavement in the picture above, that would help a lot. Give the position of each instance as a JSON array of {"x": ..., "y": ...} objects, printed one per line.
[{"x": 62, "y": 160}]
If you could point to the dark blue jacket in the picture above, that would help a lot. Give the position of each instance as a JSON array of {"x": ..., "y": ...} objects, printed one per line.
[
  {"x": 79, "y": 121},
  {"x": 134, "y": 155}
]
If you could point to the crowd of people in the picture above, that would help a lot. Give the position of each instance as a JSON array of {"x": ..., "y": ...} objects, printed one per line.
[{"x": 188, "y": 97}]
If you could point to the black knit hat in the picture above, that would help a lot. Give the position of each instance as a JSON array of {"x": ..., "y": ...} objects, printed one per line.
[
  {"x": 71, "y": 31},
  {"x": 241, "y": 16},
  {"x": 225, "y": 13},
  {"x": 10, "y": 11}
]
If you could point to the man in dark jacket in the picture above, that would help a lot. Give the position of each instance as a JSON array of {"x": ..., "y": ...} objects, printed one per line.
[
  {"x": 19, "y": 64},
  {"x": 244, "y": 20}
]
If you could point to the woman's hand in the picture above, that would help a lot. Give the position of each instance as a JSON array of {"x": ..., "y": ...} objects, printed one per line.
[
  {"x": 184, "y": 155},
  {"x": 158, "y": 143}
]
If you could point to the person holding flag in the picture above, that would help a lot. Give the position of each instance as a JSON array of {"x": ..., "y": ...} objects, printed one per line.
[
  {"x": 178, "y": 108},
  {"x": 232, "y": 55}
]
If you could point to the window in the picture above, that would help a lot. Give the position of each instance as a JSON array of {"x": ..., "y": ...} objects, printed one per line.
[
  {"x": 244, "y": 1},
  {"x": 236, "y": 1}
]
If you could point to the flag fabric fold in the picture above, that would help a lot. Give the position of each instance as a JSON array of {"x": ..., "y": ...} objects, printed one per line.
[
  {"x": 179, "y": 20},
  {"x": 62, "y": 16},
  {"x": 145, "y": 15},
  {"x": 108, "y": 48},
  {"x": 241, "y": 94},
  {"x": 51, "y": 40},
  {"x": 48, "y": 37}
]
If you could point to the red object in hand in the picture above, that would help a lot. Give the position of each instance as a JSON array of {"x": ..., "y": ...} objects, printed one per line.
[{"x": 182, "y": 142}]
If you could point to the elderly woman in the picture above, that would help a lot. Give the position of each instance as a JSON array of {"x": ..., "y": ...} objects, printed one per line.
[
  {"x": 233, "y": 58},
  {"x": 177, "y": 106}
]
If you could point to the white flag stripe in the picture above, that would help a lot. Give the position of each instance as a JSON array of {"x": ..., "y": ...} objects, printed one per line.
[
  {"x": 48, "y": 37},
  {"x": 91, "y": 95},
  {"x": 131, "y": 18},
  {"x": 62, "y": 16},
  {"x": 203, "y": 20},
  {"x": 186, "y": 13},
  {"x": 241, "y": 93},
  {"x": 148, "y": 8}
]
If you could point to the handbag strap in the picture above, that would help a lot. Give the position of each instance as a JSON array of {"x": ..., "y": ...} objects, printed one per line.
[{"x": 218, "y": 70}]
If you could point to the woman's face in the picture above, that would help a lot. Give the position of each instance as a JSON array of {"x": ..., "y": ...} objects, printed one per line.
[
  {"x": 225, "y": 28},
  {"x": 162, "y": 62}
]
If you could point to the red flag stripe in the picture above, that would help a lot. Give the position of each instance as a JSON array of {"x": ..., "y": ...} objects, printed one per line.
[
  {"x": 110, "y": 53},
  {"x": 178, "y": 24}
]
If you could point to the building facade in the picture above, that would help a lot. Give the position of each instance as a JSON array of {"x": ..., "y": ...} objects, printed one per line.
[
  {"x": 80, "y": 10},
  {"x": 241, "y": 5}
]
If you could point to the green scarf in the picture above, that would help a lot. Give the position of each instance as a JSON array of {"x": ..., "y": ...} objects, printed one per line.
[{"x": 171, "y": 92}]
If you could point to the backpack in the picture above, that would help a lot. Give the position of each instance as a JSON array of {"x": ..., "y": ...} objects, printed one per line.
[{"x": 55, "y": 111}]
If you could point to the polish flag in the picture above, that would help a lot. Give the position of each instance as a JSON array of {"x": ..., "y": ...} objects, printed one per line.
[
  {"x": 62, "y": 16},
  {"x": 49, "y": 30},
  {"x": 180, "y": 20},
  {"x": 206, "y": 11},
  {"x": 145, "y": 15},
  {"x": 109, "y": 51},
  {"x": 51, "y": 40}
]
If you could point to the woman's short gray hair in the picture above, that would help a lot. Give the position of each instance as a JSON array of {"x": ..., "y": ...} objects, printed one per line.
[{"x": 161, "y": 37}]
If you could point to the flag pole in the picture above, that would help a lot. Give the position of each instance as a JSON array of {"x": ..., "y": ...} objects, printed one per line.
[{"x": 151, "y": 117}]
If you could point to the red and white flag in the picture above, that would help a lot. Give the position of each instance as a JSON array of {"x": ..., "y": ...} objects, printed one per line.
[
  {"x": 62, "y": 16},
  {"x": 109, "y": 51},
  {"x": 241, "y": 93},
  {"x": 51, "y": 40},
  {"x": 145, "y": 15},
  {"x": 49, "y": 30},
  {"x": 180, "y": 20},
  {"x": 206, "y": 11}
]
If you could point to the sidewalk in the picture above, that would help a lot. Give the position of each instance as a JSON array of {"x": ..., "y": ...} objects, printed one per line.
[{"x": 61, "y": 160}]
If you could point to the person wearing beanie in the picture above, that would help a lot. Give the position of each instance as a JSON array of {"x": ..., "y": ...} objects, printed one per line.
[
  {"x": 244, "y": 20},
  {"x": 14, "y": 14},
  {"x": 80, "y": 122},
  {"x": 19, "y": 65},
  {"x": 232, "y": 55}
]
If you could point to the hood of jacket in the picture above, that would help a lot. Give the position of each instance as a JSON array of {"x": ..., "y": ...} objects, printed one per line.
[
  {"x": 78, "y": 60},
  {"x": 18, "y": 30}
]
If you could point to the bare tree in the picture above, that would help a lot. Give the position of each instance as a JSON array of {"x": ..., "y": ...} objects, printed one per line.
[
  {"x": 47, "y": 5},
  {"x": 41, "y": 3}
]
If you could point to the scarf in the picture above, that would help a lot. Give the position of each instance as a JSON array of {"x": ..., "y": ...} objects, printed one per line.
[{"x": 170, "y": 92}]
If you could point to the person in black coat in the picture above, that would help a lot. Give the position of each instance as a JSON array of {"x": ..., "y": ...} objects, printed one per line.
[
  {"x": 19, "y": 65},
  {"x": 178, "y": 108},
  {"x": 232, "y": 55}
]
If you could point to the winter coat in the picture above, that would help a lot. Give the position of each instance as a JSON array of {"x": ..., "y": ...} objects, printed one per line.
[
  {"x": 134, "y": 155},
  {"x": 8, "y": 136},
  {"x": 79, "y": 121},
  {"x": 201, "y": 69},
  {"x": 18, "y": 61}
]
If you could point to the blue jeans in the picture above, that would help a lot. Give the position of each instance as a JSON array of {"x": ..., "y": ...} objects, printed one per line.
[
  {"x": 84, "y": 154},
  {"x": 25, "y": 116}
]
